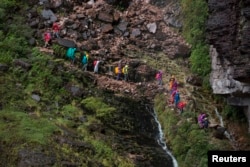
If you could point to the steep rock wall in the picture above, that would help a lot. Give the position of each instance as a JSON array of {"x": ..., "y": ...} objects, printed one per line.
[{"x": 228, "y": 33}]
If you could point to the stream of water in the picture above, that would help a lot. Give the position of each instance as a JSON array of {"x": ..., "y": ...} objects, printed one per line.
[
  {"x": 226, "y": 133},
  {"x": 161, "y": 139}
]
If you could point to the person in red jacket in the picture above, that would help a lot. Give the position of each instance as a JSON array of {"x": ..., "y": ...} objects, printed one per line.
[
  {"x": 47, "y": 38},
  {"x": 181, "y": 106},
  {"x": 56, "y": 29}
]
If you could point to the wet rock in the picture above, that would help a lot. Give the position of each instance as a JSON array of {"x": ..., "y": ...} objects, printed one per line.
[
  {"x": 79, "y": 145},
  {"x": 22, "y": 63},
  {"x": 4, "y": 67},
  {"x": 74, "y": 90},
  {"x": 194, "y": 80},
  {"x": 34, "y": 23},
  {"x": 36, "y": 97},
  {"x": 66, "y": 42},
  {"x": 32, "y": 41},
  {"x": 47, "y": 14},
  {"x": 219, "y": 132},
  {"x": 35, "y": 158},
  {"x": 182, "y": 51}
]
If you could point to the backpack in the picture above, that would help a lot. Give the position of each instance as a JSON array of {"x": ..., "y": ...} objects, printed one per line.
[
  {"x": 125, "y": 69},
  {"x": 71, "y": 53},
  {"x": 116, "y": 70},
  {"x": 47, "y": 36},
  {"x": 157, "y": 76}
]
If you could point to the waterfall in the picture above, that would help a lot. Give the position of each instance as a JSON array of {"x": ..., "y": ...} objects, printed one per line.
[
  {"x": 226, "y": 133},
  {"x": 161, "y": 141},
  {"x": 220, "y": 117}
]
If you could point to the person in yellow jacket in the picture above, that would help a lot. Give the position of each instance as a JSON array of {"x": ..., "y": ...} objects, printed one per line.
[{"x": 125, "y": 72}]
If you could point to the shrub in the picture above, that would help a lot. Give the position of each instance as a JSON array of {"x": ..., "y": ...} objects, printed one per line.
[
  {"x": 200, "y": 60},
  {"x": 194, "y": 15},
  {"x": 102, "y": 110}
]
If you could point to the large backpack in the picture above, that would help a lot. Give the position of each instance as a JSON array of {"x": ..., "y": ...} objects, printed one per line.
[
  {"x": 116, "y": 70},
  {"x": 71, "y": 53}
]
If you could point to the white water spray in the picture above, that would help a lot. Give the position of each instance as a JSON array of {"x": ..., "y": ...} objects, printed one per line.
[
  {"x": 161, "y": 141},
  {"x": 226, "y": 133}
]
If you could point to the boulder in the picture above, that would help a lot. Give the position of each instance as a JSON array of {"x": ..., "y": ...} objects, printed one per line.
[
  {"x": 107, "y": 28},
  {"x": 48, "y": 14},
  {"x": 135, "y": 32},
  {"x": 32, "y": 41},
  {"x": 66, "y": 42},
  {"x": 152, "y": 27},
  {"x": 105, "y": 17},
  {"x": 36, "y": 97},
  {"x": 122, "y": 26}
]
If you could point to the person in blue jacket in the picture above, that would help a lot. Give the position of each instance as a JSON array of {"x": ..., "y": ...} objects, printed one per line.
[
  {"x": 176, "y": 98},
  {"x": 71, "y": 54},
  {"x": 84, "y": 62}
]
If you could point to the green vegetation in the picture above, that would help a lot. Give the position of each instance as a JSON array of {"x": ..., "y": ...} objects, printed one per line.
[
  {"x": 194, "y": 16},
  {"x": 233, "y": 113},
  {"x": 102, "y": 110},
  {"x": 187, "y": 141},
  {"x": 25, "y": 128},
  {"x": 26, "y": 123}
]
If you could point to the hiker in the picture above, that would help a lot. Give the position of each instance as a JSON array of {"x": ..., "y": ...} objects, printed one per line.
[
  {"x": 202, "y": 120},
  {"x": 181, "y": 106},
  {"x": 71, "y": 54},
  {"x": 119, "y": 70},
  {"x": 159, "y": 77},
  {"x": 205, "y": 122},
  {"x": 87, "y": 55},
  {"x": 55, "y": 28},
  {"x": 125, "y": 72},
  {"x": 47, "y": 38},
  {"x": 172, "y": 97},
  {"x": 96, "y": 65},
  {"x": 171, "y": 82},
  {"x": 84, "y": 61},
  {"x": 176, "y": 98},
  {"x": 174, "y": 86}
]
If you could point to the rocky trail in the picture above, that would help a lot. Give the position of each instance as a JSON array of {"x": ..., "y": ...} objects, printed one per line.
[{"x": 112, "y": 35}]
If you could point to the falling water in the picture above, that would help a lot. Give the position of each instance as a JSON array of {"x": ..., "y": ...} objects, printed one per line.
[
  {"x": 161, "y": 141},
  {"x": 226, "y": 133},
  {"x": 220, "y": 117}
]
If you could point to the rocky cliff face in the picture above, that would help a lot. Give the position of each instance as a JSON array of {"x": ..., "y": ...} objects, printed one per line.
[{"x": 229, "y": 36}]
